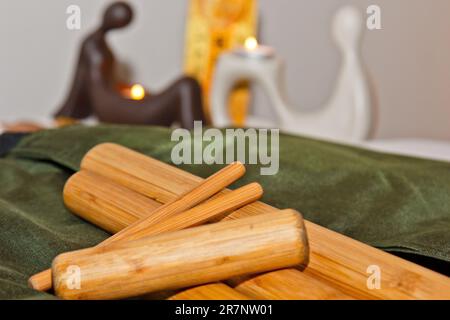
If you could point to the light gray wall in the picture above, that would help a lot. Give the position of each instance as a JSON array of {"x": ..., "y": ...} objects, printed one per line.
[{"x": 409, "y": 59}]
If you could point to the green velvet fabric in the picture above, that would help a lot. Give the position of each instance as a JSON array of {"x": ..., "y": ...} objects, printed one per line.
[{"x": 395, "y": 203}]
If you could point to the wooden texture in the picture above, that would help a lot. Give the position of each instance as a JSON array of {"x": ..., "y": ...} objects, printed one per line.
[
  {"x": 198, "y": 215},
  {"x": 184, "y": 258},
  {"x": 335, "y": 259},
  {"x": 103, "y": 199},
  {"x": 105, "y": 203},
  {"x": 107, "y": 160},
  {"x": 212, "y": 291},
  {"x": 274, "y": 286},
  {"x": 76, "y": 190}
]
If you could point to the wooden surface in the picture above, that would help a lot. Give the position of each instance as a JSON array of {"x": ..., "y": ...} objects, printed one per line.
[
  {"x": 276, "y": 287},
  {"x": 105, "y": 199},
  {"x": 183, "y": 258},
  {"x": 212, "y": 291},
  {"x": 335, "y": 259},
  {"x": 107, "y": 160},
  {"x": 104, "y": 203}
]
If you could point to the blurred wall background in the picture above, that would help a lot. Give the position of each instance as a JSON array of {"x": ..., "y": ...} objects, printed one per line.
[{"x": 409, "y": 59}]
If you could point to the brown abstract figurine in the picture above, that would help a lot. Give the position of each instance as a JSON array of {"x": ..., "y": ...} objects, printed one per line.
[{"x": 95, "y": 90}]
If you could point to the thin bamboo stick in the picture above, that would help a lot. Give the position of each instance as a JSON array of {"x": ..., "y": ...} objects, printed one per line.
[
  {"x": 202, "y": 213},
  {"x": 183, "y": 258},
  {"x": 335, "y": 258}
]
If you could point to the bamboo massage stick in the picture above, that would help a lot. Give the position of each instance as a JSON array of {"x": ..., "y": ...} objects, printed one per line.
[
  {"x": 196, "y": 194},
  {"x": 85, "y": 194},
  {"x": 334, "y": 258},
  {"x": 183, "y": 258}
]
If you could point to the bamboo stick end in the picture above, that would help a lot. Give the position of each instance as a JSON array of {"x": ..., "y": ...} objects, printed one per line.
[
  {"x": 41, "y": 281},
  {"x": 99, "y": 149},
  {"x": 258, "y": 189},
  {"x": 239, "y": 165},
  {"x": 303, "y": 237}
]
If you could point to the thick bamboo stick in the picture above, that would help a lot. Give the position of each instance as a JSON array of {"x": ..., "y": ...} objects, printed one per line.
[
  {"x": 105, "y": 203},
  {"x": 335, "y": 258},
  {"x": 183, "y": 258},
  {"x": 196, "y": 194}
]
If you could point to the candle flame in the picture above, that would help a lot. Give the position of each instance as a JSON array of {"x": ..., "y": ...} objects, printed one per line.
[
  {"x": 137, "y": 92},
  {"x": 251, "y": 43}
]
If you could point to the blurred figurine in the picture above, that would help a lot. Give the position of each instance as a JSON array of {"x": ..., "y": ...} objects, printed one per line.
[
  {"x": 95, "y": 90},
  {"x": 348, "y": 115}
]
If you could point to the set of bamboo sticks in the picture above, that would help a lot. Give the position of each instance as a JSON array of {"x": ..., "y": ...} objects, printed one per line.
[
  {"x": 144, "y": 201},
  {"x": 162, "y": 251}
]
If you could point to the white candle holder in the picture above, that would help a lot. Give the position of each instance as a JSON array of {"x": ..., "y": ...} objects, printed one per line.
[{"x": 346, "y": 117}]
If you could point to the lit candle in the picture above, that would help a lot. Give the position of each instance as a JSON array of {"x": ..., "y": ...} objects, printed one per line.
[
  {"x": 135, "y": 92},
  {"x": 252, "y": 49}
]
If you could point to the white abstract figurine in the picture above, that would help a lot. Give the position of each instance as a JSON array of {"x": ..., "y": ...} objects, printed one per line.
[{"x": 346, "y": 117}]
